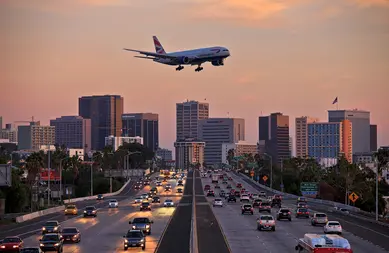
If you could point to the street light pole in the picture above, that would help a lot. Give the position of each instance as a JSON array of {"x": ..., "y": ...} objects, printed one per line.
[{"x": 127, "y": 161}]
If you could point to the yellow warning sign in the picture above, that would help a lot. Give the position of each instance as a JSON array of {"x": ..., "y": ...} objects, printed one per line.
[
  {"x": 353, "y": 197},
  {"x": 251, "y": 173},
  {"x": 265, "y": 178}
]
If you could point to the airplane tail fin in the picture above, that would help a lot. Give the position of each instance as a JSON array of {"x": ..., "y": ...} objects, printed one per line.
[{"x": 158, "y": 46}]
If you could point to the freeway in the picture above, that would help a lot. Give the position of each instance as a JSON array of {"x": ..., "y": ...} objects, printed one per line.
[
  {"x": 240, "y": 230},
  {"x": 27, "y": 228},
  {"x": 104, "y": 233},
  {"x": 368, "y": 231}
]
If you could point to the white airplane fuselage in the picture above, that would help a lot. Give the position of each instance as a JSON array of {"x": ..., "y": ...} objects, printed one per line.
[{"x": 196, "y": 56}]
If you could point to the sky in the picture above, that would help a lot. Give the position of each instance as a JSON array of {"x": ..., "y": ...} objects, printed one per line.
[{"x": 289, "y": 56}]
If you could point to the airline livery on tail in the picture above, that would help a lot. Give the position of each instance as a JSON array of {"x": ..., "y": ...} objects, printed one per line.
[{"x": 215, "y": 55}]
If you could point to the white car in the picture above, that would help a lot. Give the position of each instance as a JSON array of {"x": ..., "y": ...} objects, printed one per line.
[
  {"x": 333, "y": 227},
  {"x": 262, "y": 194},
  {"x": 113, "y": 203},
  {"x": 218, "y": 202},
  {"x": 138, "y": 200},
  {"x": 244, "y": 197},
  {"x": 168, "y": 203},
  {"x": 144, "y": 196},
  {"x": 254, "y": 196}
]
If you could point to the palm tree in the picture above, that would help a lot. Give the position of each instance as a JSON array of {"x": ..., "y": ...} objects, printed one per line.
[
  {"x": 230, "y": 156},
  {"x": 34, "y": 164}
]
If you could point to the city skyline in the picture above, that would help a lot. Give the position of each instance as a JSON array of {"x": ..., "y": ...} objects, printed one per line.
[{"x": 50, "y": 61}]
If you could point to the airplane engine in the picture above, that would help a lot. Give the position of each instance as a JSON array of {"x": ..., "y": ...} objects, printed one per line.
[
  {"x": 185, "y": 60},
  {"x": 218, "y": 62}
]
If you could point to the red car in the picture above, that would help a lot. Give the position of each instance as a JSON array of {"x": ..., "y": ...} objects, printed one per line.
[
  {"x": 239, "y": 185},
  {"x": 229, "y": 178},
  {"x": 207, "y": 187},
  {"x": 11, "y": 243}
]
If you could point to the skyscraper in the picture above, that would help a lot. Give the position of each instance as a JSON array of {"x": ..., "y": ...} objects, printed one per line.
[
  {"x": 373, "y": 138},
  {"x": 274, "y": 135},
  {"x": 73, "y": 132},
  {"x": 302, "y": 135},
  {"x": 144, "y": 125},
  {"x": 34, "y": 136},
  {"x": 216, "y": 131},
  {"x": 361, "y": 127},
  {"x": 105, "y": 113},
  {"x": 189, "y": 152},
  {"x": 188, "y": 115}
]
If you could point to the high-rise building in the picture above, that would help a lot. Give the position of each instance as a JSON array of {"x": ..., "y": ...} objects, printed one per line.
[
  {"x": 274, "y": 136},
  {"x": 189, "y": 152},
  {"x": 1, "y": 123},
  {"x": 188, "y": 115},
  {"x": 373, "y": 138},
  {"x": 115, "y": 142},
  {"x": 9, "y": 133},
  {"x": 302, "y": 135},
  {"x": 240, "y": 148},
  {"x": 34, "y": 136},
  {"x": 73, "y": 132},
  {"x": 144, "y": 125},
  {"x": 327, "y": 141},
  {"x": 216, "y": 131},
  {"x": 105, "y": 113},
  {"x": 361, "y": 127},
  {"x": 291, "y": 146},
  {"x": 165, "y": 154}
]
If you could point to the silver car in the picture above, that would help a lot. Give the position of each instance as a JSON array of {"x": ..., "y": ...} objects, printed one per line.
[
  {"x": 113, "y": 203},
  {"x": 168, "y": 203},
  {"x": 218, "y": 202}
]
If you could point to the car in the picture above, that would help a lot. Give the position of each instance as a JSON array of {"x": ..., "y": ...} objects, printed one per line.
[
  {"x": 100, "y": 197},
  {"x": 113, "y": 203},
  {"x": 277, "y": 196},
  {"x": 244, "y": 198},
  {"x": 284, "y": 213},
  {"x": 247, "y": 208},
  {"x": 156, "y": 199},
  {"x": 71, "y": 210},
  {"x": 302, "y": 205},
  {"x": 146, "y": 182},
  {"x": 217, "y": 186},
  {"x": 266, "y": 222},
  {"x": 71, "y": 234},
  {"x": 262, "y": 194},
  {"x": 145, "y": 206},
  {"x": 254, "y": 196},
  {"x": 301, "y": 199},
  {"x": 207, "y": 187},
  {"x": 145, "y": 196},
  {"x": 159, "y": 183},
  {"x": 137, "y": 187},
  {"x": 333, "y": 227},
  {"x": 150, "y": 195},
  {"x": 134, "y": 238},
  {"x": 168, "y": 203},
  {"x": 167, "y": 189},
  {"x": 168, "y": 185},
  {"x": 179, "y": 190},
  {"x": 51, "y": 226},
  {"x": 154, "y": 190},
  {"x": 257, "y": 202},
  {"x": 11, "y": 243},
  {"x": 264, "y": 207},
  {"x": 319, "y": 219},
  {"x": 210, "y": 193},
  {"x": 217, "y": 202},
  {"x": 51, "y": 242},
  {"x": 238, "y": 185},
  {"x": 302, "y": 212},
  {"x": 179, "y": 183},
  {"x": 30, "y": 250},
  {"x": 230, "y": 178},
  {"x": 90, "y": 211},
  {"x": 222, "y": 194},
  {"x": 143, "y": 224},
  {"x": 237, "y": 194},
  {"x": 276, "y": 202},
  {"x": 231, "y": 198},
  {"x": 224, "y": 181},
  {"x": 138, "y": 200},
  {"x": 229, "y": 186}
]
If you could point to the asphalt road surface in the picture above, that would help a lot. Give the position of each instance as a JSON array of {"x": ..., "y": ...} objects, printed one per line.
[
  {"x": 104, "y": 233},
  {"x": 243, "y": 237}
]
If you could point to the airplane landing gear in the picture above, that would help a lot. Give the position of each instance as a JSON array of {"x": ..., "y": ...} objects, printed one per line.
[
  {"x": 179, "y": 68},
  {"x": 198, "y": 69}
]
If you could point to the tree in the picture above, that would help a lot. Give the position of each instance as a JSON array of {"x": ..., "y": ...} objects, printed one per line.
[
  {"x": 230, "y": 156},
  {"x": 16, "y": 195}
]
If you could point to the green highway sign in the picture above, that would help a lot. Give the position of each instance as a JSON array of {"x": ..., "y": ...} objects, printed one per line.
[{"x": 309, "y": 188}]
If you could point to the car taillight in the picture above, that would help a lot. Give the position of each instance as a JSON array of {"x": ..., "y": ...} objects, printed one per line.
[
  {"x": 288, "y": 212},
  {"x": 251, "y": 209},
  {"x": 298, "y": 212}
]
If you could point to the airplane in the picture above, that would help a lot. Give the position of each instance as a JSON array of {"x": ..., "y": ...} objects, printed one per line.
[{"x": 215, "y": 55}]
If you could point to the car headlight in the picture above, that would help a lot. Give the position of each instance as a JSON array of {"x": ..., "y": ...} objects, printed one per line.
[
  {"x": 41, "y": 245},
  {"x": 43, "y": 228},
  {"x": 84, "y": 211},
  {"x": 147, "y": 226},
  {"x": 143, "y": 240},
  {"x": 15, "y": 246},
  {"x": 55, "y": 228},
  {"x": 125, "y": 240},
  {"x": 133, "y": 227},
  {"x": 57, "y": 244}
]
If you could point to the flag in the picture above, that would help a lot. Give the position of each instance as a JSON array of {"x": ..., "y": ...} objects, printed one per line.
[{"x": 335, "y": 101}]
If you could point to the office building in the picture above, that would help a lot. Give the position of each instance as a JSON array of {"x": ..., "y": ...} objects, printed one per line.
[
  {"x": 373, "y": 138},
  {"x": 105, "y": 114},
  {"x": 10, "y": 134},
  {"x": 73, "y": 132},
  {"x": 216, "y": 131},
  {"x": 290, "y": 146},
  {"x": 188, "y": 115},
  {"x": 116, "y": 141},
  {"x": 330, "y": 140},
  {"x": 360, "y": 121},
  {"x": 363, "y": 158},
  {"x": 302, "y": 135},
  {"x": 164, "y": 154},
  {"x": 145, "y": 125},
  {"x": 189, "y": 152},
  {"x": 33, "y": 136},
  {"x": 274, "y": 136},
  {"x": 240, "y": 148}
]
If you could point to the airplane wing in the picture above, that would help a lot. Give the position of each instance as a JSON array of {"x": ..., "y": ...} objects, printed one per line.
[
  {"x": 145, "y": 57},
  {"x": 164, "y": 56}
]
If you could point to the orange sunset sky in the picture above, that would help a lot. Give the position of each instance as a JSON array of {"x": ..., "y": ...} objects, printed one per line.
[{"x": 292, "y": 56}]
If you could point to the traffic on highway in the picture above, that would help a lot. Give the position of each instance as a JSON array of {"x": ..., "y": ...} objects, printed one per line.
[
  {"x": 135, "y": 219},
  {"x": 254, "y": 219}
]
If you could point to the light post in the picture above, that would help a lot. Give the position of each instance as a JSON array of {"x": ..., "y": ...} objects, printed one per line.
[
  {"x": 271, "y": 169},
  {"x": 127, "y": 162},
  {"x": 90, "y": 154}
]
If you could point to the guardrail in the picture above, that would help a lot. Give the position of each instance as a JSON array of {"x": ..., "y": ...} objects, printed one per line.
[
  {"x": 317, "y": 201},
  {"x": 37, "y": 214}
]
